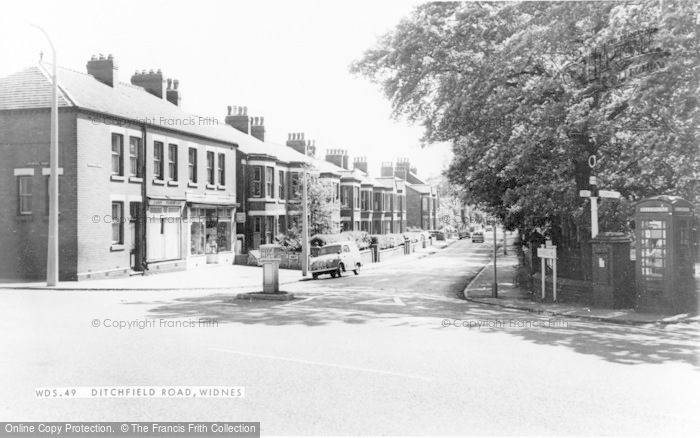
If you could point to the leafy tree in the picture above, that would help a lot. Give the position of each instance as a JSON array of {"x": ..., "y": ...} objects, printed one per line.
[
  {"x": 323, "y": 208},
  {"x": 513, "y": 87}
]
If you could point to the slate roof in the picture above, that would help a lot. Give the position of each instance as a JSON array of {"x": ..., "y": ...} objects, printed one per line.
[
  {"x": 421, "y": 188},
  {"x": 31, "y": 89}
]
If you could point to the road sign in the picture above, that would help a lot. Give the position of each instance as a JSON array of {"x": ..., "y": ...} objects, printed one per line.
[
  {"x": 592, "y": 180},
  {"x": 547, "y": 253},
  {"x": 240, "y": 218},
  {"x": 584, "y": 193},
  {"x": 609, "y": 194}
]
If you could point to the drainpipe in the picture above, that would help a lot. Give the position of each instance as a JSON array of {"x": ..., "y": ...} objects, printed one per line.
[{"x": 144, "y": 203}]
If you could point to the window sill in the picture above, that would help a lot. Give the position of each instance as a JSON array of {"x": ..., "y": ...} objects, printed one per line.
[
  {"x": 119, "y": 178},
  {"x": 220, "y": 187},
  {"x": 25, "y": 217},
  {"x": 117, "y": 247},
  {"x": 135, "y": 179},
  {"x": 158, "y": 182},
  {"x": 211, "y": 186},
  {"x": 193, "y": 185},
  {"x": 173, "y": 183}
]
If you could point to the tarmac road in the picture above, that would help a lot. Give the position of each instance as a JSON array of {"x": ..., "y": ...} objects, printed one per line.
[{"x": 385, "y": 352}]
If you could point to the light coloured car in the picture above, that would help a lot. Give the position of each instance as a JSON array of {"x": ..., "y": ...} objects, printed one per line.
[{"x": 335, "y": 259}]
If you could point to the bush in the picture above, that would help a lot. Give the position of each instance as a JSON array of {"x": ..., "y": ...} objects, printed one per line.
[
  {"x": 385, "y": 241},
  {"x": 290, "y": 241}
]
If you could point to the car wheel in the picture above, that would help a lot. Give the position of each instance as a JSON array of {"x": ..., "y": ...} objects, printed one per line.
[
  {"x": 357, "y": 270},
  {"x": 341, "y": 268},
  {"x": 333, "y": 274},
  {"x": 315, "y": 276}
]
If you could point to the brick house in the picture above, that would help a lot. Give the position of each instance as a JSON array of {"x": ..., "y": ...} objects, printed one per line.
[{"x": 143, "y": 184}]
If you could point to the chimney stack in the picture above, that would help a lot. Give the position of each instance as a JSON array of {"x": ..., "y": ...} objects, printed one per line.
[
  {"x": 173, "y": 92},
  {"x": 153, "y": 82},
  {"x": 360, "y": 163},
  {"x": 297, "y": 142},
  {"x": 403, "y": 166},
  {"x": 239, "y": 118},
  {"x": 339, "y": 157},
  {"x": 257, "y": 128},
  {"x": 414, "y": 170},
  {"x": 387, "y": 168},
  {"x": 104, "y": 70}
]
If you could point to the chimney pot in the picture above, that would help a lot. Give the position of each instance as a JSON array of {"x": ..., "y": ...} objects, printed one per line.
[
  {"x": 110, "y": 56},
  {"x": 262, "y": 121},
  {"x": 170, "y": 83},
  {"x": 93, "y": 58},
  {"x": 102, "y": 57},
  {"x": 176, "y": 83},
  {"x": 159, "y": 72},
  {"x": 229, "y": 110}
]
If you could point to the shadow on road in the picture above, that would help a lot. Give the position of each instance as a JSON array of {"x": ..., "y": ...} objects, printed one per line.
[{"x": 630, "y": 345}]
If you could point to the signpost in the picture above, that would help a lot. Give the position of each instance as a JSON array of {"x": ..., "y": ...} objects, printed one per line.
[
  {"x": 594, "y": 193},
  {"x": 549, "y": 252}
]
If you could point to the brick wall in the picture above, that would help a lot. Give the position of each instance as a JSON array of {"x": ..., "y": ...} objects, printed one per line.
[{"x": 25, "y": 144}]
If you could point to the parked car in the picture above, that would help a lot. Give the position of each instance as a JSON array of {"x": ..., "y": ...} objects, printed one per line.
[
  {"x": 478, "y": 237},
  {"x": 437, "y": 234},
  {"x": 464, "y": 234},
  {"x": 336, "y": 258}
]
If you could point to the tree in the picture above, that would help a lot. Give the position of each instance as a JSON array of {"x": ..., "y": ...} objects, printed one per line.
[
  {"x": 324, "y": 210},
  {"x": 527, "y": 92}
]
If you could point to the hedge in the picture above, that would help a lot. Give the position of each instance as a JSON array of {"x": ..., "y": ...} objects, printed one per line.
[{"x": 360, "y": 237}]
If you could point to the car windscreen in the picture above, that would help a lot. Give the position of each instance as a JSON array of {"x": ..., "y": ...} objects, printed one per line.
[{"x": 328, "y": 250}]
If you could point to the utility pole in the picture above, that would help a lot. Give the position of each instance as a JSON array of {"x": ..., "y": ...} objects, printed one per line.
[
  {"x": 594, "y": 193},
  {"x": 495, "y": 276},
  {"x": 52, "y": 252},
  {"x": 304, "y": 229}
]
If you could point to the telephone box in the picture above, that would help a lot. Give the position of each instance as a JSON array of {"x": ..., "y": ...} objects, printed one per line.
[{"x": 664, "y": 271}]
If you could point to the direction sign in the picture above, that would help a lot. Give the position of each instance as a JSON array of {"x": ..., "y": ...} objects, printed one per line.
[
  {"x": 609, "y": 194},
  {"x": 584, "y": 193},
  {"x": 547, "y": 253}
]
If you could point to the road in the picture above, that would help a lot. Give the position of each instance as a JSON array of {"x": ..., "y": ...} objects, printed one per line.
[{"x": 363, "y": 355}]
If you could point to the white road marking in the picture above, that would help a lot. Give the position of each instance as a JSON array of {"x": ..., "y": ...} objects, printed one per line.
[
  {"x": 378, "y": 302},
  {"x": 326, "y": 364},
  {"x": 294, "y": 303}
]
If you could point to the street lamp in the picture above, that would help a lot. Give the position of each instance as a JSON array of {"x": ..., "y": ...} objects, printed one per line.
[
  {"x": 52, "y": 254},
  {"x": 304, "y": 229}
]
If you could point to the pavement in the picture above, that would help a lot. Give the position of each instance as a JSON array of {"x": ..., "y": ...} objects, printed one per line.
[
  {"x": 514, "y": 294},
  {"x": 211, "y": 277}
]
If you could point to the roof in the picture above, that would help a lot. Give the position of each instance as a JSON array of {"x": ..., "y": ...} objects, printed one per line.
[
  {"x": 387, "y": 182},
  {"x": 421, "y": 188},
  {"x": 31, "y": 88}
]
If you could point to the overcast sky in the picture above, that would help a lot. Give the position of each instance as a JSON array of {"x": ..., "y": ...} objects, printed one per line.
[{"x": 285, "y": 60}]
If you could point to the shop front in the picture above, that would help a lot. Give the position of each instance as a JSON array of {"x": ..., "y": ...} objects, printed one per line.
[{"x": 211, "y": 233}]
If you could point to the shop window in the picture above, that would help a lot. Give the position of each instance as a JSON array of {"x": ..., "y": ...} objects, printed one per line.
[
  {"x": 196, "y": 232},
  {"x": 135, "y": 151},
  {"x": 117, "y": 223},
  {"x": 24, "y": 188},
  {"x": 223, "y": 229},
  {"x": 157, "y": 160},
  {"x": 117, "y": 154}
]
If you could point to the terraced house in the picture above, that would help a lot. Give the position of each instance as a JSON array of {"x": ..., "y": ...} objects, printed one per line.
[{"x": 145, "y": 186}]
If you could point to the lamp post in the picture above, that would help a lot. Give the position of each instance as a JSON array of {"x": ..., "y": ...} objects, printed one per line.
[
  {"x": 304, "y": 229},
  {"x": 52, "y": 254}
]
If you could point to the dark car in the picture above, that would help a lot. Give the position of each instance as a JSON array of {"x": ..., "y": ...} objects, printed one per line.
[
  {"x": 464, "y": 234},
  {"x": 478, "y": 237}
]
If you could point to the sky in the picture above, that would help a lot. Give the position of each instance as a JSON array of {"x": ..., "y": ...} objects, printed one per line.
[{"x": 287, "y": 61}]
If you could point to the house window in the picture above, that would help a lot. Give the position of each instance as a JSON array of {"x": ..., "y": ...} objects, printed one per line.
[
  {"x": 281, "y": 185},
  {"x": 345, "y": 196},
  {"x": 117, "y": 224},
  {"x": 117, "y": 154},
  {"x": 387, "y": 202},
  {"x": 24, "y": 187},
  {"x": 257, "y": 224},
  {"x": 269, "y": 182},
  {"x": 172, "y": 161},
  {"x": 222, "y": 169},
  {"x": 210, "y": 167},
  {"x": 377, "y": 202},
  {"x": 157, "y": 160},
  {"x": 192, "y": 165},
  {"x": 356, "y": 198},
  {"x": 296, "y": 186},
  {"x": 135, "y": 156},
  {"x": 256, "y": 186}
]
